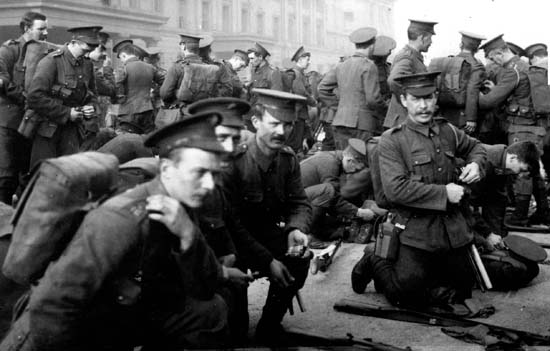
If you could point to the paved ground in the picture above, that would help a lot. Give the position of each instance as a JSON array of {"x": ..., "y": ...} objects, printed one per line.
[{"x": 527, "y": 309}]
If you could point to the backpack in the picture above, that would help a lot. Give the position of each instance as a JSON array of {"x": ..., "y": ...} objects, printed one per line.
[
  {"x": 61, "y": 192},
  {"x": 452, "y": 82},
  {"x": 199, "y": 82},
  {"x": 540, "y": 90}
]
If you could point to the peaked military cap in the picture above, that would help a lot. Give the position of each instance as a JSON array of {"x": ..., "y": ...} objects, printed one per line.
[
  {"x": 103, "y": 38},
  {"x": 516, "y": 49},
  {"x": 88, "y": 35},
  {"x": 280, "y": 104},
  {"x": 358, "y": 148},
  {"x": 301, "y": 52},
  {"x": 205, "y": 41},
  {"x": 419, "y": 84},
  {"x": 139, "y": 51},
  {"x": 363, "y": 35},
  {"x": 259, "y": 50},
  {"x": 383, "y": 46},
  {"x": 525, "y": 247},
  {"x": 153, "y": 50},
  {"x": 471, "y": 39},
  {"x": 121, "y": 44},
  {"x": 231, "y": 109},
  {"x": 190, "y": 40},
  {"x": 534, "y": 49},
  {"x": 195, "y": 131},
  {"x": 243, "y": 55},
  {"x": 423, "y": 26},
  {"x": 495, "y": 43}
]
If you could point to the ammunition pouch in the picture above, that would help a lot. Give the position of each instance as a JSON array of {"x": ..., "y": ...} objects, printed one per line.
[
  {"x": 61, "y": 92},
  {"x": 534, "y": 133},
  {"x": 29, "y": 124}
]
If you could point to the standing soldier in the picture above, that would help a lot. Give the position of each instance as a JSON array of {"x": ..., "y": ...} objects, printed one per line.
[
  {"x": 190, "y": 79},
  {"x": 527, "y": 121},
  {"x": 461, "y": 79},
  {"x": 357, "y": 81},
  {"x": 134, "y": 82},
  {"x": 301, "y": 132},
  {"x": 236, "y": 63},
  {"x": 270, "y": 202},
  {"x": 154, "y": 59},
  {"x": 104, "y": 77},
  {"x": 62, "y": 93},
  {"x": 14, "y": 148},
  {"x": 408, "y": 61},
  {"x": 382, "y": 49},
  {"x": 263, "y": 75}
]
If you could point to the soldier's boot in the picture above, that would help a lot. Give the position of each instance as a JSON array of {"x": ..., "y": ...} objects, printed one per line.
[
  {"x": 542, "y": 214},
  {"x": 519, "y": 217},
  {"x": 269, "y": 330},
  {"x": 362, "y": 272}
]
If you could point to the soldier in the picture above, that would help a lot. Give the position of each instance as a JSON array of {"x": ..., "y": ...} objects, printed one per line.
[
  {"x": 235, "y": 64},
  {"x": 321, "y": 177},
  {"x": 14, "y": 148},
  {"x": 138, "y": 271},
  {"x": 104, "y": 78},
  {"x": 538, "y": 55},
  {"x": 525, "y": 122},
  {"x": 357, "y": 81},
  {"x": 382, "y": 49},
  {"x": 153, "y": 58},
  {"x": 418, "y": 162},
  {"x": 263, "y": 76},
  {"x": 216, "y": 215},
  {"x": 205, "y": 48},
  {"x": 408, "y": 61},
  {"x": 271, "y": 206},
  {"x": 301, "y": 132},
  {"x": 63, "y": 93},
  {"x": 134, "y": 82},
  {"x": 190, "y": 79},
  {"x": 461, "y": 79}
]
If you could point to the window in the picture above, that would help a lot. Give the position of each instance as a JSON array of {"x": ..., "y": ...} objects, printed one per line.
[
  {"x": 245, "y": 20},
  {"x": 206, "y": 16},
  {"x": 181, "y": 14},
  {"x": 157, "y": 5},
  {"x": 276, "y": 27},
  {"x": 320, "y": 7},
  {"x": 260, "y": 23},
  {"x": 226, "y": 18},
  {"x": 306, "y": 5},
  {"x": 134, "y": 4},
  {"x": 292, "y": 27}
]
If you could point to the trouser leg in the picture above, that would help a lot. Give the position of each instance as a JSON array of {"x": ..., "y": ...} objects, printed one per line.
[{"x": 14, "y": 162}]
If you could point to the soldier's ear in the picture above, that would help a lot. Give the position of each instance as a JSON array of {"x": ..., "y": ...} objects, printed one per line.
[
  {"x": 255, "y": 121},
  {"x": 403, "y": 100}
]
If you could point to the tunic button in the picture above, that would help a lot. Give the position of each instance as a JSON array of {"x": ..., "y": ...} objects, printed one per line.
[
  {"x": 211, "y": 225},
  {"x": 19, "y": 337},
  {"x": 439, "y": 169},
  {"x": 79, "y": 76},
  {"x": 437, "y": 150},
  {"x": 120, "y": 298},
  {"x": 431, "y": 135}
]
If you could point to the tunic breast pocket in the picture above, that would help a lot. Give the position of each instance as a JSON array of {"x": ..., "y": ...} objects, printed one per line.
[
  {"x": 253, "y": 196},
  {"x": 422, "y": 167},
  {"x": 262, "y": 83},
  {"x": 70, "y": 81}
]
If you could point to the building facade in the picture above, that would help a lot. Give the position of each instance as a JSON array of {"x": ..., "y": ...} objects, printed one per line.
[{"x": 321, "y": 26}]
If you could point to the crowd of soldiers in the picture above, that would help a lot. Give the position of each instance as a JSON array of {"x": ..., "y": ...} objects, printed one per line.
[{"x": 244, "y": 184}]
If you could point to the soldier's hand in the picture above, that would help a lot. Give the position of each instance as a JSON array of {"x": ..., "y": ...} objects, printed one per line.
[
  {"x": 470, "y": 173},
  {"x": 494, "y": 242},
  {"x": 228, "y": 260},
  {"x": 454, "y": 192},
  {"x": 470, "y": 127},
  {"x": 171, "y": 213},
  {"x": 296, "y": 238},
  {"x": 76, "y": 114},
  {"x": 365, "y": 214},
  {"x": 279, "y": 274},
  {"x": 489, "y": 84},
  {"x": 237, "y": 276}
]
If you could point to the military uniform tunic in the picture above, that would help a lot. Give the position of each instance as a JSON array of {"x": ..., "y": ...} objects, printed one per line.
[
  {"x": 123, "y": 281},
  {"x": 60, "y": 83},
  {"x": 236, "y": 84},
  {"x": 407, "y": 61}
]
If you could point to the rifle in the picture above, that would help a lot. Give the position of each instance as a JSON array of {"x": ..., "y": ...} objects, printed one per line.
[
  {"x": 309, "y": 339},
  {"x": 413, "y": 316},
  {"x": 324, "y": 259}
]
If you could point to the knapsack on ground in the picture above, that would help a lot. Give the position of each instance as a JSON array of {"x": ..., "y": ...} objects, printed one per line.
[
  {"x": 61, "y": 192},
  {"x": 452, "y": 82}
]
